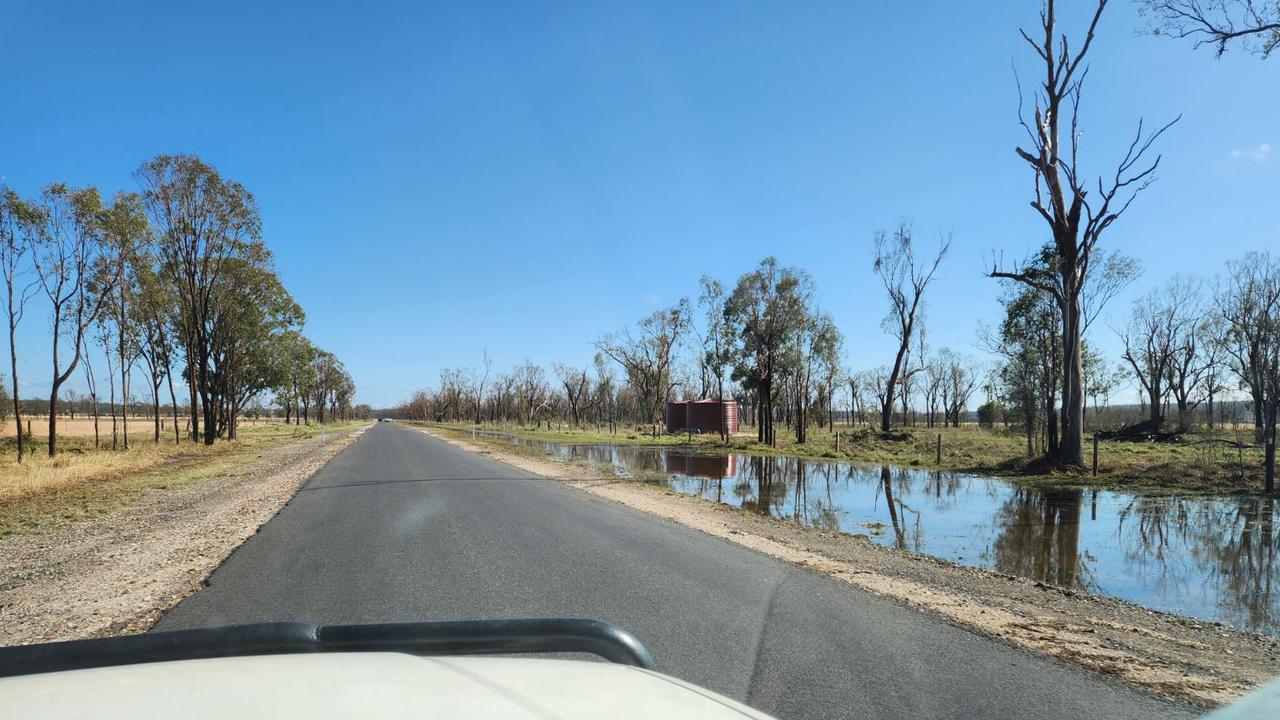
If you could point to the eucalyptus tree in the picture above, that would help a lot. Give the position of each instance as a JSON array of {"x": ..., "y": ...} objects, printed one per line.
[
  {"x": 201, "y": 221},
  {"x": 717, "y": 348},
  {"x": 647, "y": 356},
  {"x": 1161, "y": 324},
  {"x": 1061, "y": 197},
  {"x": 905, "y": 278},
  {"x": 340, "y": 399},
  {"x": 818, "y": 349},
  {"x": 501, "y": 403},
  {"x": 91, "y": 382},
  {"x": 127, "y": 237},
  {"x": 1028, "y": 341},
  {"x": 960, "y": 380},
  {"x": 1101, "y": 380},
  {"x": 255, "y": 310},
  {"x": 830, "y": 374},
  {"x": 105, "y": 337},
  {"x": 577, "y": 390},
  {"x": 605, "y": 393},
  {"x": 1191, "y": 366},
  {"x": 530, "y": 389},
  {"x": 1249, "y": 304},
  {"x": 292, "y": 387},
  {"x": 766, "y": 313},
  {"x": 331, "y": 385},
  {"x": 67, "y": 251},
  {"x": 876, "y": 384},
  {"x": 856, "y": 383},
  {"x": 19, "y": 221},
  {"x": 934, "y": 385},
  {"x": 1213, "y": 333},
  {"x": 152, "y": 315},
  {"x": 481, "y": 382}
]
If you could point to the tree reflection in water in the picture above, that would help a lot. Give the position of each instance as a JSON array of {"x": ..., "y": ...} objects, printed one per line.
[
  {"x": 1039, "y": 536},
  {"x": 1212, "y": 557},
  {"x": 893, "y": 510},
  {"x": 1225, "y": 547}
]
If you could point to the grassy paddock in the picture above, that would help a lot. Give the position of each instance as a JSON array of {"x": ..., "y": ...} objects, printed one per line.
[
  {"x": 1191, "y": 465},
  {"x": 81, "y": 481}
]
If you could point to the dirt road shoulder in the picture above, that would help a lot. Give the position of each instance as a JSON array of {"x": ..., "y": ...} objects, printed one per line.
[
  {"x": 1180, "y": 658},
  {"x": 117, "y": 573}
]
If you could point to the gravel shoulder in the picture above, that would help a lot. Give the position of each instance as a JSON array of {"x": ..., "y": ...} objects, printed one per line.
[
  {"x": 1171, "y": 656},
  {"x": 119, "y": 572}
]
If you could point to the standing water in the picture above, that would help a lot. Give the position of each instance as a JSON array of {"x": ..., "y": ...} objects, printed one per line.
[{"x": 1213, "y": 558}]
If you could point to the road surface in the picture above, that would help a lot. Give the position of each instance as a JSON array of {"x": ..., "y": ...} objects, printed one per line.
[{"x": 404, "y": 527}]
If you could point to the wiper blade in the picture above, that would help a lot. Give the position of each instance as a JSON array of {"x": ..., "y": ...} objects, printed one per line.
[{"x": 467, "y": 637}]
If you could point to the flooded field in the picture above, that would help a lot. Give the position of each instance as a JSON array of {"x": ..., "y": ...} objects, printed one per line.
[{"x": 1212, "y": 558}]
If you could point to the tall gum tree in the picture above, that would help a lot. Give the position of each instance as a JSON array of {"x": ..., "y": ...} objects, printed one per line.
[
  {"x": 202, "y": 221},
  {"x": 1076, "y": 219},
  {"x": 68, "y": 254},
  {"x": 127, "y": 236},
  {"x": 766, "y": 313},
  {"x": 18, "y": 221}
]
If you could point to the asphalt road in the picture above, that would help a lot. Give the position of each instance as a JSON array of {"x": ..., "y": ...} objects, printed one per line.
[{"x": 403, "y": 527}]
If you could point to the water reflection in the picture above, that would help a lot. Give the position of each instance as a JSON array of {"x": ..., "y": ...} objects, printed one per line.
[
  {"x": 1039, "y": 536},
  {"x": 1213, "y": 558}
]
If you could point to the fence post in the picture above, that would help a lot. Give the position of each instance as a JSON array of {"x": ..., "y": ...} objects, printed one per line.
[
  {"x": 1095, "y": 454},
  {"x": 837, "y": 441},
  {"x": 939, "y": 453}
]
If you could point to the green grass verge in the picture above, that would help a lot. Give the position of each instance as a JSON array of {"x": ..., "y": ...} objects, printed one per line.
[{"x": 1192, "y": 465}]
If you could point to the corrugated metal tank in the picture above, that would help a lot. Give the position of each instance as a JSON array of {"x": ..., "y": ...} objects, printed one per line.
[{"x": 706, "y": 416}]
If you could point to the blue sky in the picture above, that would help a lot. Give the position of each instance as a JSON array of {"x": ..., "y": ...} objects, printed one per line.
[{"x": 437, "y": 179}]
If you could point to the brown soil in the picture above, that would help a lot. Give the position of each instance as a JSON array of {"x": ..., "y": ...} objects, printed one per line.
[
  {"x": 119, "y": 572},
  {"x": 1180, "y": 658}
]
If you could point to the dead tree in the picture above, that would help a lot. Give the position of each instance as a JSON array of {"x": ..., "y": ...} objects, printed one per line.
[{"x": 1076, "y": 220}]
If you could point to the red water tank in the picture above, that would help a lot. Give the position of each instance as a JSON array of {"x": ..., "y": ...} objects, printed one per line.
[{"x": 705, "y": 416}]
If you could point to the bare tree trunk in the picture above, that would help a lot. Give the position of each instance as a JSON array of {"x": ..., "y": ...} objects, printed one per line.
[
  {"x": 191, "y": 390},
  {"x": 173, "y": 402},
  {"x": 886, "y": 411},
  {"x": 155, "y": 409},
  {"x": 124, "y": 367},
  {"x": 111, "y": 385},
  {"x": 1071, "y": 445},
  {"x": 1269, "y": 460},
  {"x": 17, "y": 403}
]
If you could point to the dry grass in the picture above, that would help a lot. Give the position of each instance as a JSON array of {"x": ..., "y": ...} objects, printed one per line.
[
  {"x": 81, "y": 481},
  {"x": 82, "y": 426}
]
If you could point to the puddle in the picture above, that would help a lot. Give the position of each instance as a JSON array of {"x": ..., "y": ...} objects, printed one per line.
[{"x": 1212, "y": 558}]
